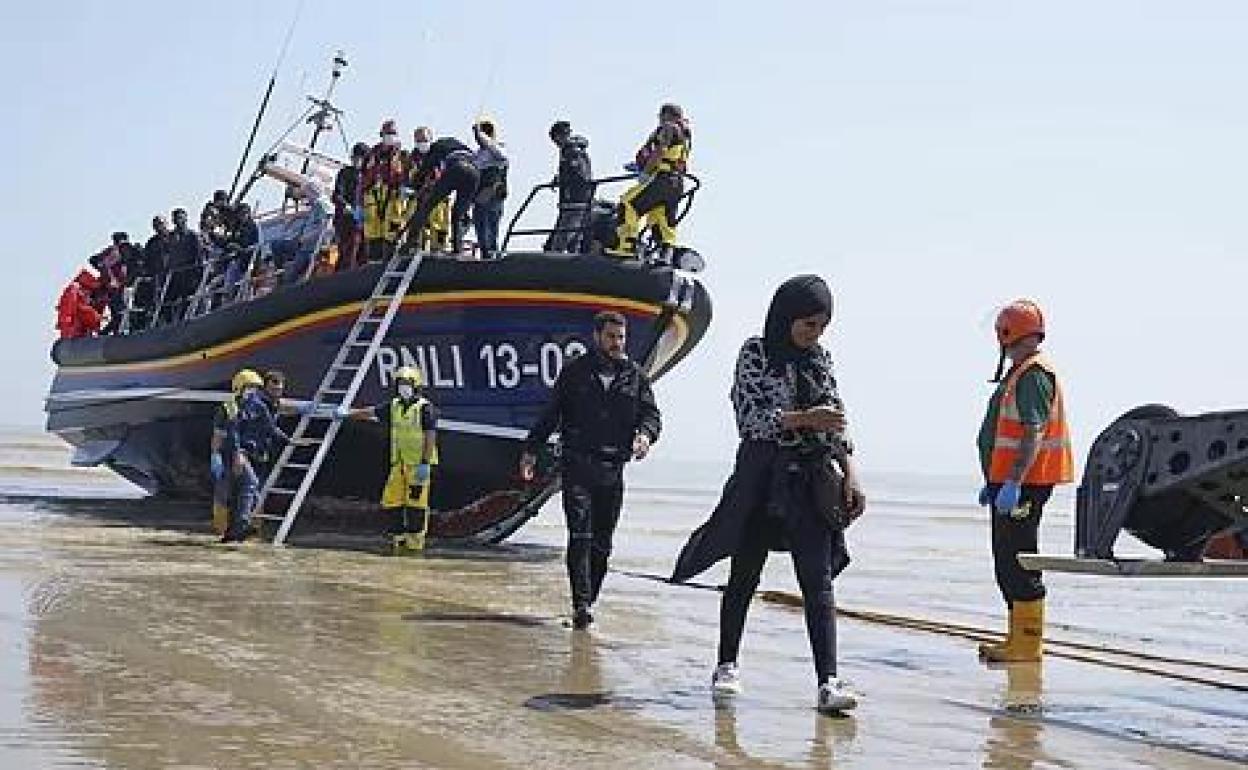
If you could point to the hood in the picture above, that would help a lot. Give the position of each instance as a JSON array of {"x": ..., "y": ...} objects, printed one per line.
[{"x": 87, "y": 280}]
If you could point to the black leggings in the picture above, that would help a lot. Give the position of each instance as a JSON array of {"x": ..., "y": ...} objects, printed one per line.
[
  {"x": 459, "y": 177},
  {"x": 811, "y": 545},
  {"x": 1010, "y": 537}
]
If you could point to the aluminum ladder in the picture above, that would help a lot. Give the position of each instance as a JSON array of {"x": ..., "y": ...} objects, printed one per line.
[{"x": 297, "y": 465}]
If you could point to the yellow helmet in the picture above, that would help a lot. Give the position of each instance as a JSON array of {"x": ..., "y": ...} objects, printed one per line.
[
  {"x": 409, "y": 374},
  {"x": 244, "y": 378}
]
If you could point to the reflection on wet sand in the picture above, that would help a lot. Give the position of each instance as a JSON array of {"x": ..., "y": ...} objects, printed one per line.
[
  {"x": 1014, "y": 737},
  {"x": 826, "y": 736}
]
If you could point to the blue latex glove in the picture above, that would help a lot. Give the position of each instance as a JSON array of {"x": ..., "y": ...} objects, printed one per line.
[
  {"x": 421, "y": 474},
  {"x": 632, "y": 167},
  {"x": 342, "y": 412},
  {"x": 218, "y": 466},
  {"x": 304, "y": 409},
  {"x": 1007, "y": 498},
  {"x": 358, "y": 216},
  {"x": 985, "y": 497}
]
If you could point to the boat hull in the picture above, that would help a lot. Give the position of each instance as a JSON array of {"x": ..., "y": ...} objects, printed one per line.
[{"x": 490, "y": 338}]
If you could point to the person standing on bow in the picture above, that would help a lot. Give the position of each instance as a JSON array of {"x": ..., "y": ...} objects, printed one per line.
[
  {"x": 381, "y": 184},
  {"x": 412, "y": 420},
  {"x": 783, "y": 494},
  {"x": 604, "y": 409},
  {"x": 661, "y": 163},
  {"x": 575, "y": 180},
  {"x": 487, "y": 208},
  {"x": 1024, "y": 451},
  {"x": 348, "y": 211},
  {"x": 449, "y": 163}
]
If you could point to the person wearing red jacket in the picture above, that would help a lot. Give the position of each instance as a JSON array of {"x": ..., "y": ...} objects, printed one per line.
[{"x": 75, "y": 315}]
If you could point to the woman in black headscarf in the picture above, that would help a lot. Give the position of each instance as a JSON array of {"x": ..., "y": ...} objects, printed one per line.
[{"x": 792, "y": 429}]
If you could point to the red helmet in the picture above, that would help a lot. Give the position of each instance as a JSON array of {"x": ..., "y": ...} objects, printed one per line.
[{"x": 1021, "y": 318}]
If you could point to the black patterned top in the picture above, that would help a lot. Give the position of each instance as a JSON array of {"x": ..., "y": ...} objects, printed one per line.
[{"x": 759, "y": 395}]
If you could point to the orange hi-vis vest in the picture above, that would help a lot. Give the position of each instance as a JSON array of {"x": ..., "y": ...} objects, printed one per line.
[{"x": 1054, "y": 462}]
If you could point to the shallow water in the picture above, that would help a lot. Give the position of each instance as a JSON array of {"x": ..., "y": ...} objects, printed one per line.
[{"x": 134, "y": 647}]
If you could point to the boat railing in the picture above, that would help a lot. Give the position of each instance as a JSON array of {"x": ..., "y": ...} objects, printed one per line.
[{"x": 579, "y": 237}]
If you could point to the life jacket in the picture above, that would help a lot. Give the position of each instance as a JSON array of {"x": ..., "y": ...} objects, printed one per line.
[
  {"x": 654, "y": 158},
  {"x": 407, "y": 435},
  {"x": 75, "y": 315},
  {"x": 1054, "y": 462},
  {"x": 255, "y": 445}
]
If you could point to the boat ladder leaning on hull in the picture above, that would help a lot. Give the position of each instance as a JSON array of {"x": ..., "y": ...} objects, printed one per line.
[{"x": 296, "y": 467}]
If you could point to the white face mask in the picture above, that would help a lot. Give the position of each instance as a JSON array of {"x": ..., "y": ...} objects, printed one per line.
[
  {"x": 406, "y": 391},
  {"x": 390, "y": 140},
  {"x": 423, "y": 146}
]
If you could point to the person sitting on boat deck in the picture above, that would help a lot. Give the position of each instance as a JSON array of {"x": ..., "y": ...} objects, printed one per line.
[
  {"x": 111, "y": 292},
  {"x": 575, "y": 181},
  {"x": 604, "y": 408},
  {"x": 1024, "y": 451},
  {"x": 487, "y": 208},
  {"x": 214, "y": 220},
  {"x": 243, "y": 434},
  {"x": 784, "y": 494},
  {"x": 452, "y": 163},
  {"x": 412, "y": 420},
  {"x": 660, "y": 163},
  {"x": 296, "y": 253},
  {"x": 76, "y": 315},
  {"x": 185, "y": 267},
  {"x": 437, "y": 231},
  {"x": 348, "y": 211},
  {"x": 381, "y": 190}
]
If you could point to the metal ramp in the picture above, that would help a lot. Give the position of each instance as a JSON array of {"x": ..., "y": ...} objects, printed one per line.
[{"x": 296, "y": 467}]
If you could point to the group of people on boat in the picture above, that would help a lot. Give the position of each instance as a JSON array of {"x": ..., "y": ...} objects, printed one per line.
[{"x": 387, "y": 197}]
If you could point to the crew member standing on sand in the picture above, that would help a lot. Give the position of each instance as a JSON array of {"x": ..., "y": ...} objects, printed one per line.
[
  {"x": 1024, "y": 450},
  {"x": 413, "y": 423},
  {"x": 606, "y": 414},
  {"x": 243, "y": 432},
  {"x": 784, "y": 494}
]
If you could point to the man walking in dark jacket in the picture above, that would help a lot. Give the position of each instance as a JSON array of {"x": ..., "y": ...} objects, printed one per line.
[
  {"x": 605, "y": 411},
  {"x": 575, "y": 181}
]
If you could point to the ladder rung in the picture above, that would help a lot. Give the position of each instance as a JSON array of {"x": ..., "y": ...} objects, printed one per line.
[
  {"x": 282, "y": 491},
  {"x": 394, "y": 273},
  {"x": 268, "y": 516},
  {"x": 297, "y": 466},
  {"x": 333, "y": 391},
  {"x": 371, "y": 320},
  {"x": 361, "y": 344}
]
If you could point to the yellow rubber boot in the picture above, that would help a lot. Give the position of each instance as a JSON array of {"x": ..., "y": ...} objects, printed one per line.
[
  {"x": 1025, "y": 643},
  {"x": 991, "y": 649}
]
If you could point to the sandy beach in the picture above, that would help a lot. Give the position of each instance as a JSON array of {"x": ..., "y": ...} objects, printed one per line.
[{"x": 138, "y": 647}]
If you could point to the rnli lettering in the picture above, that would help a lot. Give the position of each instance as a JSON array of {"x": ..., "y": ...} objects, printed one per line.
[{"x": 503, "y": 365}]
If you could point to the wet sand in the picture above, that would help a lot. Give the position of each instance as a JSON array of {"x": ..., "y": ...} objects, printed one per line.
[{"x": 134, "y": 647}]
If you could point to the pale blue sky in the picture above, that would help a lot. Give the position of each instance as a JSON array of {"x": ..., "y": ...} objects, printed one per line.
[{"x": 932, "y": 159}]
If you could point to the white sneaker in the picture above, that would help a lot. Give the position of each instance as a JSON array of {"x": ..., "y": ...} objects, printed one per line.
[
  {"x": 836, "y": 697},
  {"x": 726, "y": 680}
]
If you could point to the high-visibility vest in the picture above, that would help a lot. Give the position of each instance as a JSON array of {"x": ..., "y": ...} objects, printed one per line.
[
  {"x": 675, "y": 158},
  {"x": 1054, "y": 462},
  {"x": 407, "y": 435}
]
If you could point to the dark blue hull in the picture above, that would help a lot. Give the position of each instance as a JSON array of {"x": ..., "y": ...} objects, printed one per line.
[{"x": 490, "y": 337}]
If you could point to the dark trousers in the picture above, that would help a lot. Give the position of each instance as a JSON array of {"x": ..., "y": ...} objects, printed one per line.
[
  {"x": 569, "y": 228},
  {"x": 459, "y": 177},
  {"x": 591, "y": 506},
  {"x": 349, "y": 237},
  {"x": 1012, "y": 536},
  {"x": 810, "y": 542},
  {"x": 486, "y": 216}
]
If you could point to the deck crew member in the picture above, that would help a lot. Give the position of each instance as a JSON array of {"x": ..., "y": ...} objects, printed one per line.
[
  {"x": 76, "y": 315},
  {"x": 348, "y": 209},
  {"x": 604, "y": 409},
  {"x": 1024, "y": 450},
  {"x": 412, "y": 420},
  {"x": 381, "y": 184},
  {"x": 487, "y": 208},
  {"x": 782, "y": 494},
  {"x": 575, "y": 180},
  {"x": 243, "y": 434},
  {"x": 436, "y": 234},
  {"x": 450, "y": 161},
  {"x": 660, "y": 162},
  {"x": 185, "y": 267}
]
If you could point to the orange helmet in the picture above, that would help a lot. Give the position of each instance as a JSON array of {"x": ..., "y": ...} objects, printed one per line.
[{"x": 1021, "y": 318}]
